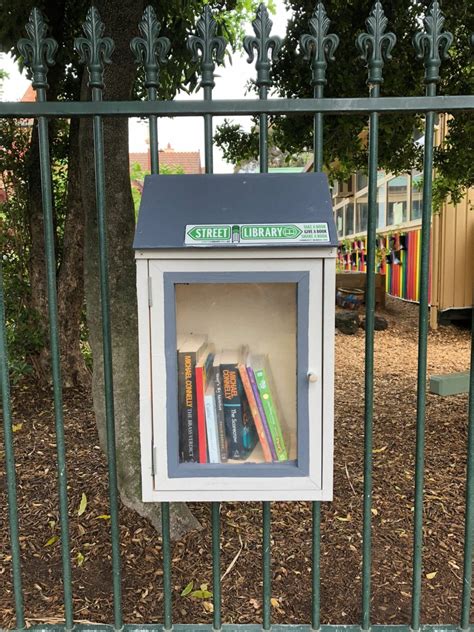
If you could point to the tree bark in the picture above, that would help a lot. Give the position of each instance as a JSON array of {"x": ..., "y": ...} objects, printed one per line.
[
  {"x": 71, "y": 272},
  {"x": 37, "y": 254},
  {"x": 121, "y": 19},
  {"x": 70, "y": 276}
]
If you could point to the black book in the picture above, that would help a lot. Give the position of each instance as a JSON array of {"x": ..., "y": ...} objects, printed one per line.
[
  {"x": 219, "y": 396},
  {"x": 233, "y": 394}
]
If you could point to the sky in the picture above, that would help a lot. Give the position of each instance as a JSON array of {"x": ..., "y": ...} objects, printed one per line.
[{"x": 183, "y": 134}]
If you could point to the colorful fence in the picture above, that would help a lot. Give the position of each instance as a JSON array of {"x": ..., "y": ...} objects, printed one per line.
[{"x": 397, "y": 257}]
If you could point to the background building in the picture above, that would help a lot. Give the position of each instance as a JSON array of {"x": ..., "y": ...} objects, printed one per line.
[{"x": 399, "y": 206}]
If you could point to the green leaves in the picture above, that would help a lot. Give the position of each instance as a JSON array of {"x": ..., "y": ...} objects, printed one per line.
[
  {"x": 187, "y": 589},
  {"x": 201, "y": 593}
]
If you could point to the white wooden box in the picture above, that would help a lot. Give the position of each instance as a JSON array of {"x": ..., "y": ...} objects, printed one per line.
[{"x": 274, "y": 301}]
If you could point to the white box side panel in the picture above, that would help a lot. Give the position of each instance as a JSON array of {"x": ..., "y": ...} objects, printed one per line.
[
  {"x": 329, "y": 302},
  {"x": 144, "y": 350}
]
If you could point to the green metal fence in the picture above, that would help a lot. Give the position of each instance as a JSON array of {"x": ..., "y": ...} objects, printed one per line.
[{"x": 432, "y": 44}]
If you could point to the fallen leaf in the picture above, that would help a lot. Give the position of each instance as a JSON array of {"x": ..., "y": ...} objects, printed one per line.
[
  {"x": 17, "y": 427},
  {"x": 374, "y": 511},
  {"x": 82, "y": 505},
  {"x": 201, "y": 594},
  {"x": 431, "y": 575},
  {"x": 187, "y": 589},
  {"x": 80, "y": 559},
  {"x": 348, "y": 518},
  {"x": 378, "y": 450},
  {"x": 275, "y": 603},
  {"x": 103, "y": 517},
  {"x": 52, "y": 540},
  {"x": 208, "y": 607}
]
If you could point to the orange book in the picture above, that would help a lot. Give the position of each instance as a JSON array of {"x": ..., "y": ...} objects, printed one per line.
[{"x": 267, "y": 455}]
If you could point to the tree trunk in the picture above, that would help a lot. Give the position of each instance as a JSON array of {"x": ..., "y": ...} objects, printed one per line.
[
  {"x": 71, "y": 272},
  {"x": 37, "y": 254},
  {"x": 121, "y": 19},
  {"x": 70, "y": 290}
]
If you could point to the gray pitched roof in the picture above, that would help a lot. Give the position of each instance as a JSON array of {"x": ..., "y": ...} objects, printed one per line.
[{"x": 170, "y": 202}]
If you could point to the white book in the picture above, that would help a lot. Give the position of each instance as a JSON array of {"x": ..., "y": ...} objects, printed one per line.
[{"x": 211, "y": 425}]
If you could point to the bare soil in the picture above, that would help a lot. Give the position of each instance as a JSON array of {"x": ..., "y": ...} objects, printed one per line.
[{"x": 393, "y": 489}]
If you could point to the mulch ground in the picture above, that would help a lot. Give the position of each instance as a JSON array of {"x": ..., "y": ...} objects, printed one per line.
[{"x": 393, "y": 479}]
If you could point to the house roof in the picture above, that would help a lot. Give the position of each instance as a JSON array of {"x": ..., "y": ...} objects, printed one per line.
[
  {"x": 188, "y": 161},
  {"x": 29, "y": 96}
]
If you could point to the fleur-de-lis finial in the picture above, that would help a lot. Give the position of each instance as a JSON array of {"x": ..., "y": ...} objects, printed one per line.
[
  {"x": 319, "y": 47},
  {"x": 207, "y": 42},
  {"x": 264, "y": 44},
  {"x": 94, "y": 50},
  {"x": 433, "y": 43},
  {"x": 150, "y": 50},
  {"x": 376, "y": 46},
  {"x": 38, "y": 50}
]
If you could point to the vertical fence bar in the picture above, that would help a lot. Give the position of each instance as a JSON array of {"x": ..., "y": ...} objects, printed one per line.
[
  {"x": 319, "y": 47},
  {"x": 375, "y": 47},
  {"x": 318, "y": 159},
  {"x": 38, "y": 52},
  {"x": 150, "y": 50},
  {"x": 432, "y": 45},
  {"x": 107, "y": 355},
  {"x": 95, "y": 51},
  {"x": 422, "y": 366},
  {"x": 211, "y": 46},
  {"x": 265, "y": 45},
  {"x": 46, "y": 191},
  {"x": 167, "y": 601},
  {"x": 369, "y": 366},
  {"x": 215, "y": 506},
  {"x": 10, "y": 465},
  {"x": 469, "y": 520},
  {"x": 153, "y": 131}
]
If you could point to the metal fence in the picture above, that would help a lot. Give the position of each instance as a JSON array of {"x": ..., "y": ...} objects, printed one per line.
[{"x": 432, "y": 44}]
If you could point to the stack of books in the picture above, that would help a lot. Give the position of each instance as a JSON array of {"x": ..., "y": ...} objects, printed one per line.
[{"x": 227, "y": 405}]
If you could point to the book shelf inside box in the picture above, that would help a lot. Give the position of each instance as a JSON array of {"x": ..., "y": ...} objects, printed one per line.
[
  {"x": 256, "y": 456},
  {"x": 262, "y": 318}
]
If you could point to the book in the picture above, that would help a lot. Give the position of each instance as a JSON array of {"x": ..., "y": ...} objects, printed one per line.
[
  {"x": 267, "y": 392},
  {"x": 254, "y": 411},
  {"x": 189, "y": 350},
  {"x": 211, "y": 424},
  {"x": 261, "y": 410},
  {"x": 232, "y": 396},
  {"x": 219, "y": 397},
  {"x": 202, "y": 371}
]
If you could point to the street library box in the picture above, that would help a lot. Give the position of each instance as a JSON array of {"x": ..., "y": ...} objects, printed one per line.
[{"x": 236, "y": 295}]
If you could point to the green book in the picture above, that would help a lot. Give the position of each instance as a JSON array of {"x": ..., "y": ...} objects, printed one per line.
[{"x": 264, "y": 384}]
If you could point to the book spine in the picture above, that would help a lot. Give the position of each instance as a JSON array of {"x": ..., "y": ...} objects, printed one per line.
[
  {"x": 272, "y": 415},
  {"x": 187, "y": 407},
  {"x": 201, "y": 414},
  {"x": 233, "y": 411},
  {"x": 211, "y": 425},
  {"x": 267, "y": 455},
  {"x": 220, "y": 413},
  {"x": 261, "y": 410}
]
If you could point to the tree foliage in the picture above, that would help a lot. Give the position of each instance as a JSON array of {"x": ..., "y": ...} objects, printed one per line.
[{"x": 345, "y": 136}]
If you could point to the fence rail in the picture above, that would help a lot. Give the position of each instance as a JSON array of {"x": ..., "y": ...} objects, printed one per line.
[{"x": 432, "y": 45}]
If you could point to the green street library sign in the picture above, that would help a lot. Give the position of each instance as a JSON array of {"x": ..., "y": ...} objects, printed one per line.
[{"x": 255, "y": 234}]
